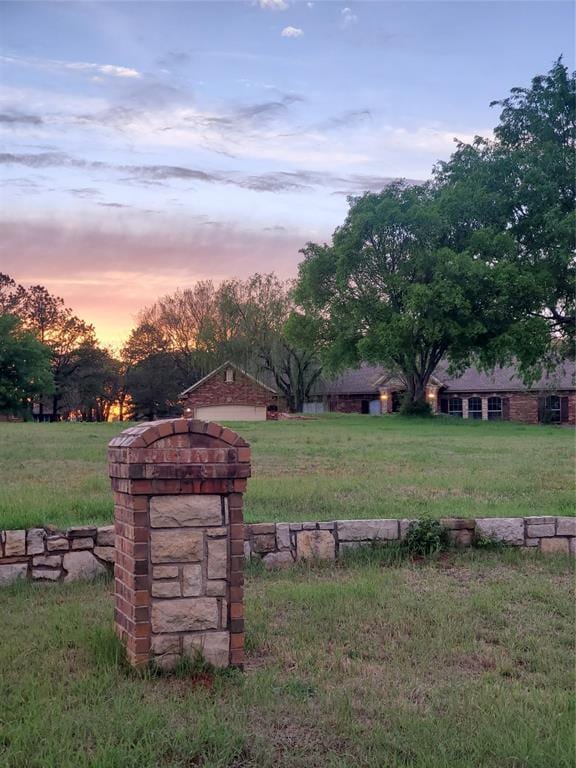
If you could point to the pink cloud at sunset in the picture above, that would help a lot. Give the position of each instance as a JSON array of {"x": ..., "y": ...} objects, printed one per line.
[{"x": 107, "y": 277}]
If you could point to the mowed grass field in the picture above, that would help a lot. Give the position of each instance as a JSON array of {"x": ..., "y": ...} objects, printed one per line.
[
  {"x": 332, "y": 467},
  {"x": 465, "y": 662}
]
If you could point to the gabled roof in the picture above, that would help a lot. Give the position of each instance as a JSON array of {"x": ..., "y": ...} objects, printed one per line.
[
  {"x": 368, "y": 379},
  {"x": 227, "y": 364},
  {"x": 362, "y": 380},
  {"x": 506, "y": 379}
]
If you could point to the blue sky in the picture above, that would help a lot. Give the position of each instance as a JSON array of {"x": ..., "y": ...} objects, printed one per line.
[{"x": 147, "y": 145}]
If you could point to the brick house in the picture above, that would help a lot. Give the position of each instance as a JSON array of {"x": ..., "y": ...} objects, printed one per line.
[
  {"x": 230, "y": 394},
  {"x": 499, "y": 395}
]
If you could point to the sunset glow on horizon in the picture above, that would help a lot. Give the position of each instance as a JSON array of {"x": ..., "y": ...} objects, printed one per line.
[{"x": 149, "y": 145}]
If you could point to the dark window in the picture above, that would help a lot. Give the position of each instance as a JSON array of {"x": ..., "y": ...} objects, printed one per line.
[
  {"x": 455, "y": 407},
  {"x": 365, "y": 407},
  {"x": 551, "y": 412},
  {"x": 474, "y": 407},
  {"x": 443, "y": 405},
  {"x": 494, "y": 409}
]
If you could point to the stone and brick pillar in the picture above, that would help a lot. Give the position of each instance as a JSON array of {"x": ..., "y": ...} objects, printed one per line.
[{"x": 178, "y": 487}]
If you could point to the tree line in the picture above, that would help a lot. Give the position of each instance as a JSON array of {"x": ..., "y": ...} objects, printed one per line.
[
  {"x": 476, "y": 266},
  {"x": 50, "y": 360}
]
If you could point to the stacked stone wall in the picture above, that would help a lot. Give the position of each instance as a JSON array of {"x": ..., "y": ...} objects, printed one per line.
[
  {"x": 42, "y": 554},
  {"x": 281, "y": 544},
  {"x": 47, "y": 554}
]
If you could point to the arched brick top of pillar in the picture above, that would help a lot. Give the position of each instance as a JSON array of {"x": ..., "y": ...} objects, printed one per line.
[
  {"x": 178, "y": 456},
  {"x": 143, "y": 435}
]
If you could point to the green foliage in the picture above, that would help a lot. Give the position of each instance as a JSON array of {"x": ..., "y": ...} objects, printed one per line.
[
  {"x": 154, "y": 384},
  {"x": 24, "y": 366},
  {"x": 520, "y": 188},
  {"x": 393, "y": 289},
  {"x": 418, "y": 408},
  {"x": 476, "y": 267},
  {"x": 426, "y": 537},
  {"x": 489, "y": 543}
]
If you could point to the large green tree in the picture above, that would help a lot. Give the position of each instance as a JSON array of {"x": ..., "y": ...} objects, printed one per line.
[
  {"x": 522, "y": 183},
  {"x": 390, "y": 290},
  {"x": 24, "y": 366}
]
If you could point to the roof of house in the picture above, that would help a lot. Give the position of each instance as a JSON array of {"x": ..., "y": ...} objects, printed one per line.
[
  {"x": 506, "y": 379},
  {"x": 362, "y": 380},
  {"x": 227, "y": 364},
  {"x": 367, "y": 379}
]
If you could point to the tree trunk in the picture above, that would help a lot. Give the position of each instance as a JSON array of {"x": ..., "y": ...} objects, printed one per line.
[{"x": 416, "y": 391}]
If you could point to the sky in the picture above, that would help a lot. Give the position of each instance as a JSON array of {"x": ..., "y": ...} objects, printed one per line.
[{"x": 149, "y": 145}]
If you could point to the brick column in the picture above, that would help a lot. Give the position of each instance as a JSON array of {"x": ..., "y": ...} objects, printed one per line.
[{"x": 178, "y": 487}]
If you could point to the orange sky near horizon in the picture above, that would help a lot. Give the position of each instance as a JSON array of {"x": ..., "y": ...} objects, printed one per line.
[{"x": 120, "y": 272}]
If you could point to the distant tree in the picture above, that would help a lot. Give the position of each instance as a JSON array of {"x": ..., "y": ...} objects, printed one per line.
[
  {"x": 54, "y": 325},
  {"x": 154, "y": 385},
  {"x": 389, "y": 290},
  {"x": 152, "y": 375},
  {"x": 11, "y": 295},
  {"x": 24, "y": 366},
  {"x": 521, "y": 185},
  {"x": 94, "y": 385},
  {"x": 258, "y": 310},
  {"x": 184, "y": 323}
]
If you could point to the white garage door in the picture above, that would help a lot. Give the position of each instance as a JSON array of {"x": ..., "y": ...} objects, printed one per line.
[{"x": 232, "y": 413}]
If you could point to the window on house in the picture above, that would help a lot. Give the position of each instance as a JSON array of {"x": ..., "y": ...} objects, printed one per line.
[
  {"x": 494, "y": 409},
  {"x": 229, "y": 376},
  {"x": 474, "y": 407},
  {"x": 552, "y": 411},
  {"x": 455, "y": 407}
]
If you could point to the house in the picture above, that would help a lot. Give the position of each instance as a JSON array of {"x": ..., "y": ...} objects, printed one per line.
[
  {"x": 500, "y": 395},
  {"x": 230, "y": 394}
]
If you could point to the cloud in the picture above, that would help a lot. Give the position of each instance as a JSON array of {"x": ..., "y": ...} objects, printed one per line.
[
  {"x": 274, "y": 181},
  {"x": 85, "y": 193},
  {"x": 114, "y": 205},
  {"x": 109, "y": 70},
  {"x": 292, "y": 32},
  {"x": 16, "y": 118},
  {"x": 348, "y": 18},
  {"x": 124, "y": 269},
  {"x": 345, "y": 120},
  {"x": 273, "y": 5}
]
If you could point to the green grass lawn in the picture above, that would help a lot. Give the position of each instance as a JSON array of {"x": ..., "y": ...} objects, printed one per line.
[
  {"x": 466, "y": 662},
  {"x": 334, "y": 467}
]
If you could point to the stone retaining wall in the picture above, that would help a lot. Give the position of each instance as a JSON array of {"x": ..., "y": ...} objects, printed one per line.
[
  {"x": 280, "y": 544},
  {"x": 42, "y": 554},
  {"x": 45, "y": 554}
]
